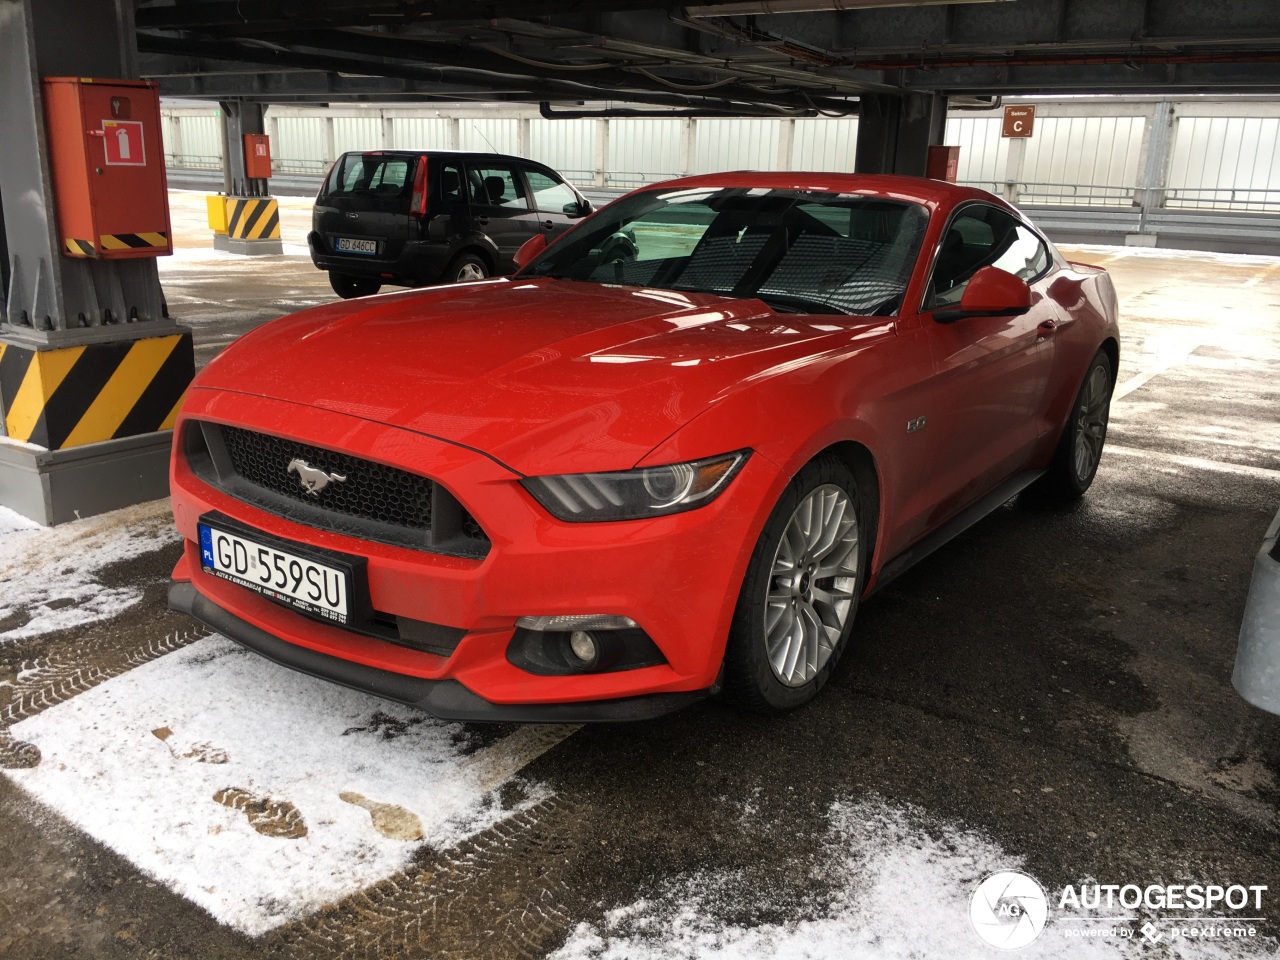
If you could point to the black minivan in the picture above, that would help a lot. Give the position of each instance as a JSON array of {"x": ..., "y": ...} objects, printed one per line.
[{"x": 411, "y": 217}]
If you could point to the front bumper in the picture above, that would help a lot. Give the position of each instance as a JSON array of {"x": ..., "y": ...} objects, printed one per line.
[
  {"x": 445, "y": 699},
  {"x": 677, "y": 576}
]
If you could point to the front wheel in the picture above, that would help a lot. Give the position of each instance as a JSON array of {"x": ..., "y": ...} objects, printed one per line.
[
  {"x": 798, "y": 601},
  {"x": 349, "y": 287},
  {"x": 1075, "y": 463}
]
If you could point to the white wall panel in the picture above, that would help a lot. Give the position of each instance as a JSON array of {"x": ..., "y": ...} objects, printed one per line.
[
  {"x": 568, "y": 146},
  {"x": 1230, "y": 163},
  {"x": 643, "y": 150},
  {"x": 1090, "y": 153},
  {"x": 739, "y": 143},
  {"x": 419, "y": 133},
  {"x": 202, "y": 139},
  {"x": 824, "y": 143},
  {"x": 983, "y": 151},
  {"x": 357, "y": 133},
  {"x": 489, "y": 135}
]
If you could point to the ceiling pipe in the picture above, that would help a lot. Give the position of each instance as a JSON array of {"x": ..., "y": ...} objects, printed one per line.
[
  {"x": 548, "y": 113},
  {"x": 766, "y": 7}
]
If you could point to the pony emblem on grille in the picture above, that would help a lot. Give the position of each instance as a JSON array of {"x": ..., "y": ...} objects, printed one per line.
[{"x": 313, "y": 479}]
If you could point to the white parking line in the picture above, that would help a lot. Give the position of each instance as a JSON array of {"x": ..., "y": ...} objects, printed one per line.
[
  {"x": 498, "y": 763},
  {"x": 1196, "y": 463}
]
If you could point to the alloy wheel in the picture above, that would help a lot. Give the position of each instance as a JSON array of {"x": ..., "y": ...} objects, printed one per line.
[
  {"x": 1091, "y": 423},
  {"x": 470, "y": 271},
  {"x": 811, "y": 585}
]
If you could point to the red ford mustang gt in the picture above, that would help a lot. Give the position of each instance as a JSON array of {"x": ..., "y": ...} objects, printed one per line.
[{"x": 666, "y": 458}]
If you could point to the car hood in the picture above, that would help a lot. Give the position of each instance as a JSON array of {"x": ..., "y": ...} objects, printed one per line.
[{"x": 542, "y": 375}]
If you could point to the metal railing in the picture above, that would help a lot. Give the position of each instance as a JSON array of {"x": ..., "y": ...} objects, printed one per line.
[{"x": 1258, "y": 199}]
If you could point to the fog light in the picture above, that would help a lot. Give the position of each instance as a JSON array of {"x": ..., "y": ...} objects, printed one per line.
[{"x": 583, "y": 646}]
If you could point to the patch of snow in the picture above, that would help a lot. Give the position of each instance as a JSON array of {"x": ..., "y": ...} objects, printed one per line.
[
  {"x": 901, "y": 883},
  {"x": 138, "y": 761},
  {"x": 48, "y": 573},
  {"x": 14, "y": 522}
]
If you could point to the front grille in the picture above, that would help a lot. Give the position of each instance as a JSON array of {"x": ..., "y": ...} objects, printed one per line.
[
  {"x": 372, "y": 501},
  {"x": 371, "y": 491}
]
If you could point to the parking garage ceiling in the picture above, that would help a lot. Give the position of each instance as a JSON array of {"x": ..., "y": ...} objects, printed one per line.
[{"x": 770, "y": 56}]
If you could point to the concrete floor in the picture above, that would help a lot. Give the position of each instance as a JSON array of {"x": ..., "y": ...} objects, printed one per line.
[{"x": 1056, "y": 683}]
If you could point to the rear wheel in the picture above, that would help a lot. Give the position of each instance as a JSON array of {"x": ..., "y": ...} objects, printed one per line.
[
  {"x": 1075, "y": 463},
  {"x": 349, "y": 287},
  {"x": 466, "y": 268},
  {"x": 800, "y": 595}
]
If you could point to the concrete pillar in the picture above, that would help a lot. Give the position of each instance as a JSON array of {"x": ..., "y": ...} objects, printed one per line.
[
  {"x": 1154, "y": 160},
  {"x": 786, "y": 143},
  {"x": 1015, "y": 164},
  {"x": 92, "y": 370},
  {"x": 688, "y": 146},
  {"x": 896, "y": 132},
  {"x": 602, "y": 153}
]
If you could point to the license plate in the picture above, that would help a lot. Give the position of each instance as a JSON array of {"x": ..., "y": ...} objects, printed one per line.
[
  {"x": 319, "y": 589},
  {"x": 349, "y": 245}
]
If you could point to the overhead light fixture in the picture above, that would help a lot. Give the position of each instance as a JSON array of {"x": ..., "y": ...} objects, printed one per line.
[{"x": 762, "y": 7}]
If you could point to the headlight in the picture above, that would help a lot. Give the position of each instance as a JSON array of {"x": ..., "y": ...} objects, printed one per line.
[{"x": 636, "y": 494}]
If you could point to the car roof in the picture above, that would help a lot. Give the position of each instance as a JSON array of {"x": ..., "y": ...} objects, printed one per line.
[
  {"x": 486, "y": 154},
  {"x": 917, "y": 189}
]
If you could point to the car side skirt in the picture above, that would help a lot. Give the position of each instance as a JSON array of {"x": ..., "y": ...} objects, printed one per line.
[{"x": 954, "y": 527}]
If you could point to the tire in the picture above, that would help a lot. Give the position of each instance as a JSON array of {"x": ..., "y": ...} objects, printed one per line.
[
  {"x": 767, "y": 669},
  {"x": 349, "y": 287},
  {"x": 466, "y": 268},
  {"x": 1075, "y": 462}
]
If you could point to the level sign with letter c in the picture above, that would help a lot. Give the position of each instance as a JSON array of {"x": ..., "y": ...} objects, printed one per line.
[
  {"x": 1019, "y": 121},
  {"x": 124, "y": 143}
]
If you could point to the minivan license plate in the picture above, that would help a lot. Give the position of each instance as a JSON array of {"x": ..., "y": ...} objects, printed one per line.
[
  {"x": 281, "y": 575},
  {"x": 350, "y": 245}
]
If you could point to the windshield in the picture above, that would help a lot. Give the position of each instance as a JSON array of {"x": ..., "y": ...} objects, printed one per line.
[{"x": 797, "y": 251}]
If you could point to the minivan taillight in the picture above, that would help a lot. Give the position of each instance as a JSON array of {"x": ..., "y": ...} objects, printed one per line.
[{"x": 418, "y": 204}]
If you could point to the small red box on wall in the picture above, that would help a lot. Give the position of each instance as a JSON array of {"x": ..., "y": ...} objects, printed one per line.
[
  {"x": 107, "y": 161},
  {"x": 944, "y": 163},
  {"x": 257, "y": 156}
]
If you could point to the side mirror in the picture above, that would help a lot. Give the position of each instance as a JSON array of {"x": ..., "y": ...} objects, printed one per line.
[
  {"x": 530, "y": 249},
  {"x": 577, "y": 208},
  {"x": 991, "y": 293}
]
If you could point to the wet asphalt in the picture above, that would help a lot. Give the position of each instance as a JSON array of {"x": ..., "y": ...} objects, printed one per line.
[{"x": 1058, "y": 680}]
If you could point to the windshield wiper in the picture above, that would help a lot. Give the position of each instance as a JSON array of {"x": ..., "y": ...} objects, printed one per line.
[{"x": 789, "y": 303}]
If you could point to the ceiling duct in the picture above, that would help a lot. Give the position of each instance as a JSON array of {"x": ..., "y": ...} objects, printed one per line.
[{"x": 763, "y": 7}]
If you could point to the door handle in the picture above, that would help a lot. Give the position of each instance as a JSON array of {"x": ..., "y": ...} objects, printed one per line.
[
  {"x": 483, "y": 221},
  {"x": 548, "y": 224},
  {"x": 1046, "y": 327}
]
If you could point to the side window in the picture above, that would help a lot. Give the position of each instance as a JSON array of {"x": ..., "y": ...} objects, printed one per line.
[
  {"x": 549, "y": 194},
  {"x": 451, "y": 181},
  {"x": 979, "y": 237},
  {"x": 496, "y": 185}
]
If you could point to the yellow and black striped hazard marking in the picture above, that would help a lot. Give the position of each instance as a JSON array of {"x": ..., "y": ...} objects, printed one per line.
[
  {"x": 253, "y": 218},
  {"x": 116, "y": 241},
  {"x": 68, "y": 396},
  {"x": 133, "y": 241}
]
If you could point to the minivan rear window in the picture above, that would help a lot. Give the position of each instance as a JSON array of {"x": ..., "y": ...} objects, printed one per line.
[{"x": 385, "y": 180}]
